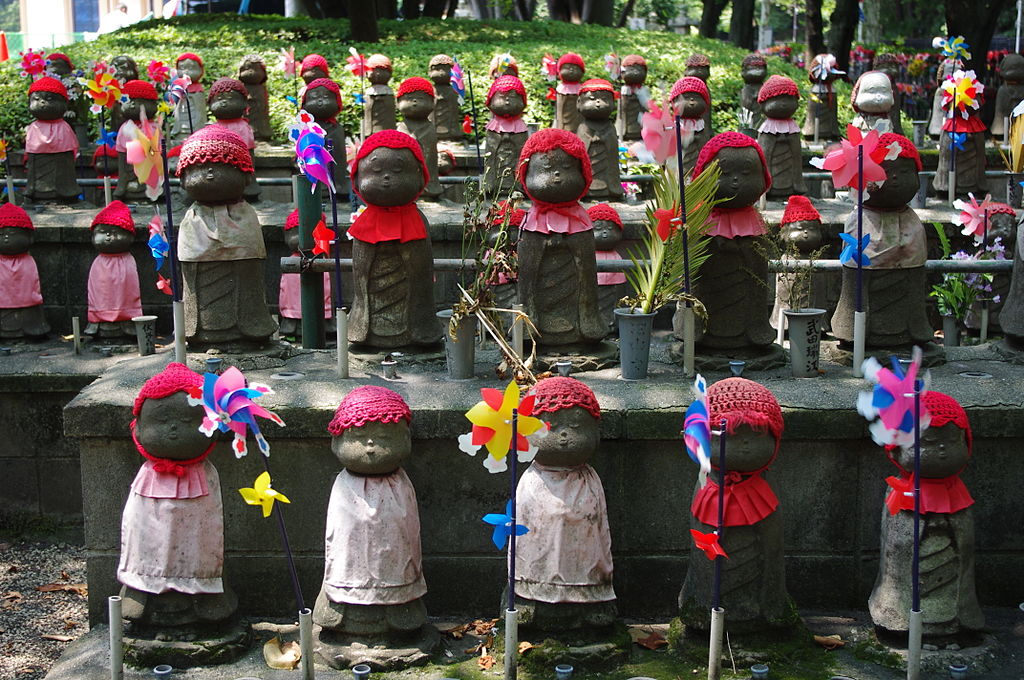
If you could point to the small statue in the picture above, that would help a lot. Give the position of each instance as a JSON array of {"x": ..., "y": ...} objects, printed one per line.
[
  {"x": 289, "y": 301},
  {"x": 228, "y": 102},
  {"x": 699, "y": 66},
  {"x": 690, "y": 100},
  {"x": 779, "y": 137},
  {"x": 503, "y": 65},
  {"x": 1011, "y": 316},
  {"x": 890, "y": 66},
  {"x": 1002, "y": 225},
  {"x": 607, "y": 234},
  {"x": 220, "y": 245},
  {"x": 503, "y": 278},
  {"x": 1011, "y": 69},
  {"x": 104, "y": 161},
  {"x": 313, "y": 67},
  {"x": 938, "y": 117},
  {"x": 506, "y": 134},
  {"x": 949, "y": 603},
  {"x": 21, "y": 298},
  {"x": 634, "y": 97},
  {"x": 379, "y": 106},
  {"x": 141, "y": 98},
  {"x": 969, "y": 138},
  {"x": 872, "y": 100},
  {"x": 447, "y": 113},
  {"x": 415, "y": 100},
  {"x": 252, "y": 71},
  {"x": 125, "y": 69},
  {"x": 557, "y": 265},
  {"x": 753, "y": 70},
  {"x": 564, "y": 572},
  {"x": 822, "y": 116},
  {"x": 754, "y": 577},
  {"x": 570, "y": 73},
  {"x": 190, "y": 111},
  {"x": 895, "y": 288},
  {"x": 373, "y": 587},
  {"x": 731, "y": 283},
  {"x": 801, "y": 234},
  {"x": 172, "y": 527},
  {"x": 322, "y": 100},
  {"x": 114, "y": 294},
  {"x": 392, "y": 261},
  {"x": 50, "y": 144},
  {"x": 596, "y": 101}
]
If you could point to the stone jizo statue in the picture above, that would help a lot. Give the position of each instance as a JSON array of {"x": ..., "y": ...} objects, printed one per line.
[
  {"x": 872, "y": 100},
  {"x": 690, "y": 101},
  {"x": 596, "y": 102},
  {"x": 252, "y": 71},
  {"x": 570, "y": 73},
  {"x": 142, "y": 99},
  {"x": 506, "y": 134},
  {"x": 416, "y": 102},
  {"x": 779, "y": 137},
  {"x": 322, "y": 100},
  {"x": 379, "y": 102},
  {"x": 21, "y": 297},
  {"x": 50, "y": 145},
  {"x": 634, "y": 97},
  {"x": 753, "y": 70},
  {"x": 447, "y": 114},
  {"x": 113, "y": 288}
]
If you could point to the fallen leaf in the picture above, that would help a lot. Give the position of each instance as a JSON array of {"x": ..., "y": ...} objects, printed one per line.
[
  {"x": 524, "y": 647},
  {"x": 485, "y": 662},
  {"x": 64, "y": 576},
  {"x": 282, "y": 657},
  {"x": 77, "y": 588},
  {"x": 654, "y": 640},
  {"x": 829, "y": 641},
  {"x": 69, "y": 624},
  {"x": 11, "y": 599},
  {"x": 58, "y": 638},
  {"x": 26, "y": 670},
  {"x": 482, "y": 626},
  {"x": 458, "y": 632},
  {"x": 473, "y": 650}
]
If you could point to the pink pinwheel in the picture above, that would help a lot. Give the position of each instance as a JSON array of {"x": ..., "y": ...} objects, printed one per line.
[
  {"x": 657, "y": 130},
  {"x": 841, "y": 161},
  {"x": 322, "y": 238},
  {"x": 891, "y": 401},
  {"x": 228, "y": 402},
  {"x": 104, "y": 89},
  {"x": 33, "y": 64},
  {"x": 288, "y": 61},
  {"x": 613, "y": 65},
  {"x": 163, "y": 284},
  {"x": 356, "y": 64},
  {"x": 961, "y": 91},
  {"x": 177, "y": 88},
  {"x": 549, "y": 67},
  {"x": 311, "y": 152},
  {"x": 972, "y": 215},
  {"x": 143, "y": 153},
  {"x": 158, "y": 72}
]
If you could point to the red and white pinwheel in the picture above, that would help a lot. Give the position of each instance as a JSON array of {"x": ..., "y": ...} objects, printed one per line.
[
  {"x": 961, "y": 91},
  {"x": 972, "y": 215},
  {"x": 841, "y": 161}
]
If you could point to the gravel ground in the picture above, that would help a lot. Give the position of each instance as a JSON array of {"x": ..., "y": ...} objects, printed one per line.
[{"x": 28, "y": 614}]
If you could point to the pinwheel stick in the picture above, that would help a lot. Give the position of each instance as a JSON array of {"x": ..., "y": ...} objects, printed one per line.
[
  {"x": 859, "y": 316},
  {"x": 687, "y": 311},
  {"x": 10, "y": 180},
  {"x": 511, "y": 623},
  {"x": 717, "y": 611},
  {"x": 472, "y": 108},
  {"x": 107, "y": 195},
  {"x": 914, "y": 637},
  {"x": 188, "y": 110},
  {"x": 177, "y": 306},
  {"x": 952, "y": 155},
  {"x": 311, "y": 291},
  {"x": 277, "y": 510},
  {"x": 340, "y": 316},
  {"x": 984, "y": 301}
]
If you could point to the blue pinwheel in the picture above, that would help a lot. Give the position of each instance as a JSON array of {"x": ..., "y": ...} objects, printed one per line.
[
  {"x": 359, "y": 98},
  {"x": 957, "y": 139},
  {"x": 854, "y": 251},
  {"x": 159, "y": 248},
  {"x": 503, "y": 526},
  {"x": 954, "y": 47},
  {"x": 890, "y": 404},
  {"x": 228, "y": 402},
  {"x": 697, "y": 430},
  {"x": 107, "y": 137},
  {"x": 311, "y": 151}
]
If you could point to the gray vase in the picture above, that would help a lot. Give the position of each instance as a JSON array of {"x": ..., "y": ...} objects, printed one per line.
[
  {"x": 950, "y": 331},
  {"x": 634, "y": 342},
  {"x": 460, "y": 353},
  {"x": 804, "y": 340}
]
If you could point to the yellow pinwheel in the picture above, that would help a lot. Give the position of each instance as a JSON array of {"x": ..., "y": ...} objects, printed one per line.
[
  {"x": 263, "y": 495},
  {"x": 3, "y": 150},
  {"x": 143, "y": 152},
  {"x": 960, "y": 91},
  {"x": 104, "y": 89},
  {"x": 492, "y": 426}
]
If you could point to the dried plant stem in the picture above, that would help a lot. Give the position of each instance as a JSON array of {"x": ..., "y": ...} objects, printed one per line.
[{"x": 515, "y": 361}]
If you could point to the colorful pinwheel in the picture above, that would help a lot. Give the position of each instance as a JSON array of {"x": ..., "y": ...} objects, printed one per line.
[
  {"x": 492, "y": 427},
  {"x": 961, "y": 91},
  {"x": 288, "y": 61},
  {"x": 158, "y": 72},
  {"x": 311, "y": 152},
  {"x": 954, "y": 47},
  {"x": 322, "y": 238},
  {"x": 854, "y": 251},
  {"x": 503, "y": 526},
  {"x": 824, "y": 65},
  {"x": 657, "y": 130},
  {"x": 143, "y": 153},
  {"x": 229, "y": 406},
  {"x": 3, "y": 150},
  {"x": 104, "y": 89},
  {"x": 972, "y": 216},
  {"x": 458, "y": 80},
  {"x": 708, "y": 543},
  {"x": 841, "y": 161},
  {"x": 33, "y": 64},
  {"x": 163, "y": 284},
  {"x": 178, "y": 88},
  {"x": 891, "y": 403},
  {"x": 356, "y": 64},
  {"x": 263, "y": 495},
  {"x": 613, "y": 65},
  {"x": 697, "y": 429},
  {"x": 549, "y": 67}
]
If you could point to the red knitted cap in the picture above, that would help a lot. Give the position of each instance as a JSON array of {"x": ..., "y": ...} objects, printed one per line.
[
  {"x": 777, "y": 86},
  {"x": 193, "y": 56},
  {"x": 63, "y": 57},
  {"x": 392, "y": 139},
  {"x": 504, "y": 84},
  {"x": 48, "y": 84},
  {"x": 378, "y": 61},
  {"x": 175, "y": 378},
  {"x": 139, "y": 89},
  {"x": 745, "y": 402},
  {"x": 753, "y": 60},
  {"x": 415, "y": 84},
  {"x": 907, "y": 148},
  {"x": 441, "y": 59},
  {"x": 214, "y": 144},
  {"x": 555, "y": 393},
  {"x": 799, "y": 209},
  {"x": 222, "y": 85},
  {"x": 596, "y": 85},
  {"x": 603, "y": 211},
  {"x": 735, "y": 140},
  {"x": 292, "y": 221},
  {"x": 499, "y": 211},
  {"x": 570, "y": 58},
  {"x": 547, "y": 140},
  {"x": 698, "y": 59},
  {"x": 369, "y": 404},
  {"x": 995, "y": 208},
  {"x": 945, "y": 409},
  {"x": 323, "y": 82},
  {"x": 116, "y": 214},
  {"x": 13, "y": 216},
  {"x": 634, "y": 60},
  {"x": 314, "y": 61},
  {"x": 691, "y": 84}
]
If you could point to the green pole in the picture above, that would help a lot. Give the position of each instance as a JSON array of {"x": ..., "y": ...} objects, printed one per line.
[{"x": 311, "y": 283}]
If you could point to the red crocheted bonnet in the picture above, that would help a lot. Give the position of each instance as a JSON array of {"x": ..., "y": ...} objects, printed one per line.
[
  {"x": 367, "y": 404},
  {"x": 907, "y": 148},
  {"x": 415, "y": 84},
  {"x": 116, "y": 214},
  {"x": 505, "y": 84},
  {"x": 175, "y": 378},
  {"x": 753, "y": 60},
  {"x": 392, "y": 139},
  {"x": 499, "y": 211},
  {"x": 570, "y": 58},
  {"x": 214, "y": 144},
  {"x": 48, "y": 84},
  {"x": 292, "y": 221},
  {"x": 61, "y": 56},
  {"x": 856, "y": 87},
  {"x": 555, "y": 393},
  {"x": 441, "y": 60},
  {"x": 378, "y": 61},
  {"x": 800, "y": 209},
  {"x": 13, "y": 216},
  {"x": 777, "y": 86},
  {"x": 139, "y": 89},
  {"x": 691, "y": 84},
  {"x": 552, "y": 138},
  {"x": 193, "y": 56},
  {"x": 698, "y": 59},
  {"x": 745, "y": 402},
  {"x": 327, "y": 83},
  {"x": 944, "y": 409},
  {"x": 634, "y": 60},
  {"x": 734, "y": 140},
  {"x": 603, "y": 211},
  {"x": 222, "y": 85},
  {"x": 995, "y": 208},
  {"x": 597, "y": 85},
  {"x": 314, "y": 61}
]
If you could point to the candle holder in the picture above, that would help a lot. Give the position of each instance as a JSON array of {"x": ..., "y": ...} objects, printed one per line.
[
  {"x": 563, "y": 671},
  {"x": 759, "y": 671},
  {"x": 564, "y": 367},
  {"x": 361, "y": 671},
  {"x": 162, "y": 671},
  {"x": 736, "y": 367}
]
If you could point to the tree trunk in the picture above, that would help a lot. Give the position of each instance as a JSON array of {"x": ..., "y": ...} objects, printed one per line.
[
  {"x": 386, "y": 9},
  {"x": 741, "y": 26},
  {"x": 481, "y": 9},
  {"x": 627, "y": 10},
  {"x": 602, "y": 13},
  {"x": 815, "y": 31},
  {"x": 434, "y": 8},
  {"x": 976, "y": 21},
  {"x": 841, "y": 31},
  {"x": 411, "y": 9},
  {"x": 363, "y": 21},
  {"x": 710, "y": 17}
]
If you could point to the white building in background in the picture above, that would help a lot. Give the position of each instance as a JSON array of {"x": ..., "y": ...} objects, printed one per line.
[{"x": 46, "y": 23}]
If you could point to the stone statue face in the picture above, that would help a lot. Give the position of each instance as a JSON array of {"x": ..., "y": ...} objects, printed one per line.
[
  {"x": 108, "y": 238},
  {"x": 891, "y": 70},
  {"x": 875, "y": 93},
  {"x": 1004, "y": 227},
  {"x": 291, "y": 239},
  {"x": 702, "y": 72},
  {"x": 607, "y": 234},
  {"x": 754, "y": 74},
  {"x": 191, "y": 68},
  {"x": 634, "y": 74},
  {"x": 321, "y": 103},
  {"x": 689, "y": 105},
  {"x": 900, "y": 185},
  {"x": 805, "y": 235},
  {"x": 440, "y": 74},
  {"x": 507, "y": 103},
  {"x": 47, "y": 105},
  {"x": 252, "y": 73},
  {"x": 742, "y": 179},
  {"x": 310, "y": 74},
  {"x": 1012, "y": 69},
  {"x": 15, "y": 240},
  {"x": 374, "y": 448},
  {"x": 214, "y": 183},
  {"x": 554, "y": 176},
  {"x": 379, "y": 76},
  {"x": 596, "y": 105},
  {"x": 125, "y": 68},
  {"x": 746, "y": 450},
  {"x": 570, "y": 73},
  {"x": 573, "y": 438},
  {"x": 133, "y": 108},
  {"x": 943, "y": 452},
  {"x": 389, "y": 177},
  {"x": 58, "y": 68},
  {"x": 416, "y": 105},
  {"x": 169, "y": 428},
  {"x": 229, "y": 105},
  {"x": 781, "y": 107}
]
